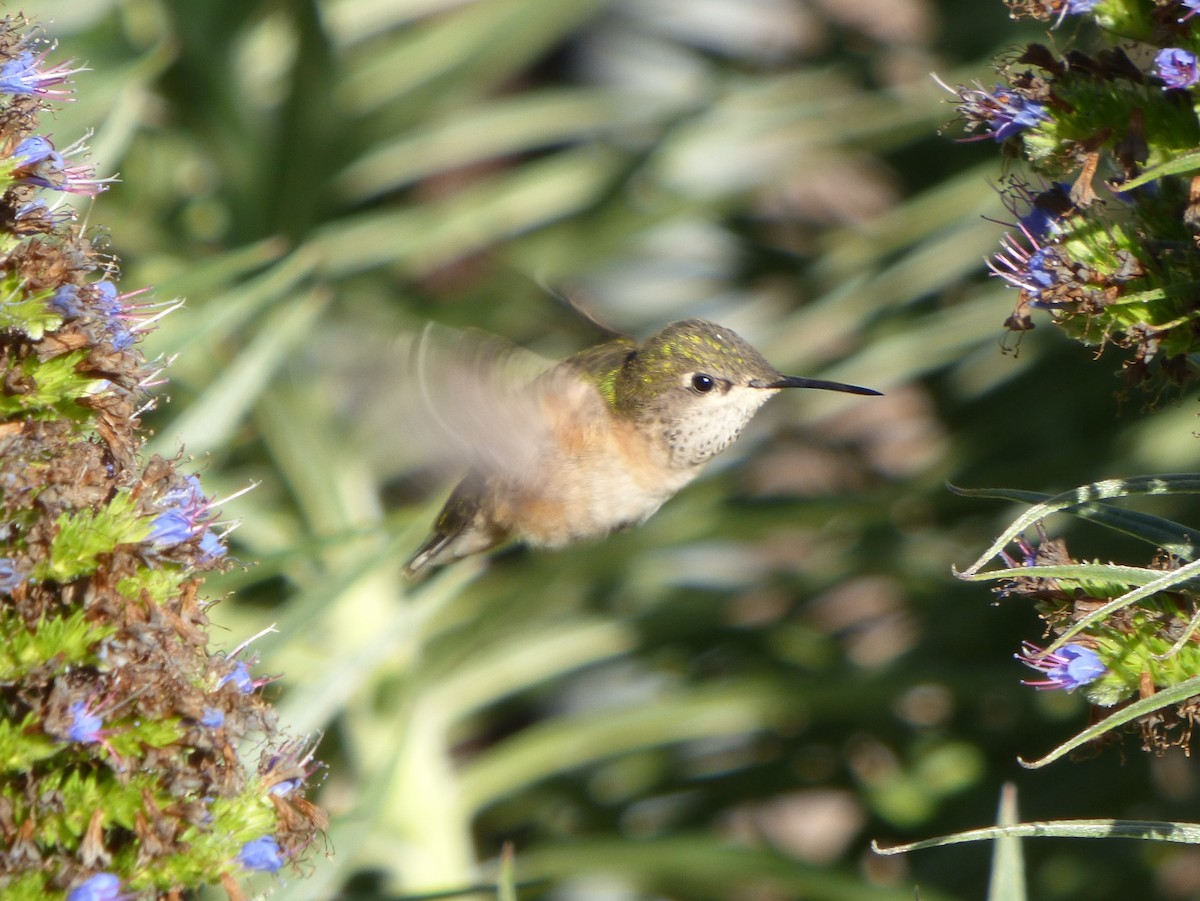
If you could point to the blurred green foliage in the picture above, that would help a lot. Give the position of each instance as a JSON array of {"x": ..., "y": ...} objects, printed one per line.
[{"x": 731, "y": 701}]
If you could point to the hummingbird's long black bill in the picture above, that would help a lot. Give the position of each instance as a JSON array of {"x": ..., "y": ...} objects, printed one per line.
[{"x": 796, "y": 381}]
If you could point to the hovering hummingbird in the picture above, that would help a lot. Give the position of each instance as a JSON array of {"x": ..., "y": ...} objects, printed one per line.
[{"x": 599, "y": 441}]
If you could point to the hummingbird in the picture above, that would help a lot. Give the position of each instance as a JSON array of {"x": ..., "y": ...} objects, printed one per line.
[{"x": 599, "y": 441}]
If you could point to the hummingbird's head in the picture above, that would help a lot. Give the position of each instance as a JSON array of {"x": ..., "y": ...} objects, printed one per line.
[{"x": 698, "y": 384}]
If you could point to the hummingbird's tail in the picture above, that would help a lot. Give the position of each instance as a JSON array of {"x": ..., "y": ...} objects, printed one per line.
[
  {"x": 461, "y": 529},
  {"x": 423, "y": 562}
]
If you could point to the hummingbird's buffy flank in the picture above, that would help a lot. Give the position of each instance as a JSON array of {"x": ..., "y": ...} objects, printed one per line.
[{"x": 614, "y": 431}]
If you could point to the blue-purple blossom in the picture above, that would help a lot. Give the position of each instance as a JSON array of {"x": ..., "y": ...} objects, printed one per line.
[
  {"x": 10, "y": 575},
  {"x": 1002, "y": 112},
  {"x": 285, "y": 787},
  {"x": 1079, "y": 7},
  {"x": 171, "y": 528},
  {"x": 261, "y": 854},
  {"x": 107, "y": 298},
  {"x": 1040, "y": 215},
  {"x": 37, "y": 216},
  {"x": 1038, "y": 222},
  {"x": 210, "y": 546},
  {"x": 122, "y": 321},
  {"x": 186, "y": 516},
  {"x": 33, "y": 150},
  {"x": 101, "y": 887},
  {"x": 35, "y": 162},
  {"x": 1192, "y": 6},
  {"x": 86, "y": 724},
  {"x": 66, "y": 301},
  {"x": 1038, "y": 270},
  {"x": 1034, "y": 271},
  {"x": 289, "y": 768},
  {"x": 1176, "y": 67},
  {"x": 212, "y": 718},
  {"x": 1069, "y": 667},
  {"x": 23, "y": 75},
  {"x": 1015, "y": 113},
  {"x": 240, "y": 677}
]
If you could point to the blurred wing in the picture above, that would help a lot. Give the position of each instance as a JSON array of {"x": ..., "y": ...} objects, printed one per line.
[
  {"x": 439, "y": 399},
  {"x": 479, "y": 400}
]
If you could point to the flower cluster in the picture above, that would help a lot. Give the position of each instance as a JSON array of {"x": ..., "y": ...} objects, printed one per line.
[
  {"x": 1135, "y": 650},
  {"x": 127, "y": 747},
  {"x": 1107, "y": 246}
]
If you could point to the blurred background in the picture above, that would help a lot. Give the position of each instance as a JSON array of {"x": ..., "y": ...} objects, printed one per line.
[{"x": 733, "y": 700}]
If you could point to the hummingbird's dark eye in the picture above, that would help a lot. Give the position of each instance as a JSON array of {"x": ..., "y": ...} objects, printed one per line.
[{"x": 703, "y": 383}]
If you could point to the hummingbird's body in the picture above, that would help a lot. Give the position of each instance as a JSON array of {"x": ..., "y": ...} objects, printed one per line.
[{"x": 613, "y": 432}]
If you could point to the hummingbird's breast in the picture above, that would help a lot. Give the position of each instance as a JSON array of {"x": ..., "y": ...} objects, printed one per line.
[{"x": 595, "y": 472}]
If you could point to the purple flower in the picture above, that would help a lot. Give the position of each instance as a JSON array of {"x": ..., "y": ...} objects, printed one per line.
[
  {"x": 101, "y": 887},
  {"x": 1002, "y": 113},
  {"x": 67, "y": 302},
  {"x": 10, "y": 575},
  {"x": 284, "y": 788},
  {"x": 100, "y": 298},
  {"x": 35, "y": 162},
  {"x": 210, "y": 546},
  {"x": 23, "y": 75},
  {"x": 261, "y": 854},
  {"x": 289, "y": 767},
  {"x": 36, "y": 216},
  {"x": 86, "y": 724},
  {"x": 171, "y": 528},
  {"x": 1038, "y": 269},
  {"x": 1192, "y": 6},
  {"x": 107, "y": 298},
  {"x": 1015, "y": 112},
  {"x": 1177, "y": 68},
  {"x": 122, "y": 320},
  {"x": 1079, "y": 7},
  {"x": 212, "y": 718},
  {"x": 186, "y": 517},
  {"x": 1034, "y": 271},
  {"x": 1069, "y": 667},
  {"x": 1038, "y": 222},
  {"x": 33, "y": 150},
  {"x": 240, "y": 677}
]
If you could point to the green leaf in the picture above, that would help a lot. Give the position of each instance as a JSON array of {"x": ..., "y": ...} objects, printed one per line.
[
  {"x": 1180, "y": 165},
  {"x": 1177, "y": 483},
  {"x": 1173, "y": 694},
  {"x": 1174, "y": 538},
  {"x": 1145, "y": 830},
  {"x": 1007, "y": 880}
]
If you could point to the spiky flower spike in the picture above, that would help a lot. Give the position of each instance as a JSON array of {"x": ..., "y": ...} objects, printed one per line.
[
  {"x": 1107, "y": 243},
  {"x": 121, "y": 736}
]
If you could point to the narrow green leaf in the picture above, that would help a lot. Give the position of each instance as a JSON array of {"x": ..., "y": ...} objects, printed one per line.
[
  {"x": 1084, "y": 572},
  {"x": 1187, "y": 162},
  {"x": 1176, "y": 483},
  {"x": 1147, "y": 830},
  {"x": 1174, "y": 538},
  {"x": 506, "y": 889},
  {"x": 1127, "y": 714},
  {"x": 1007, "y": 881}
]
